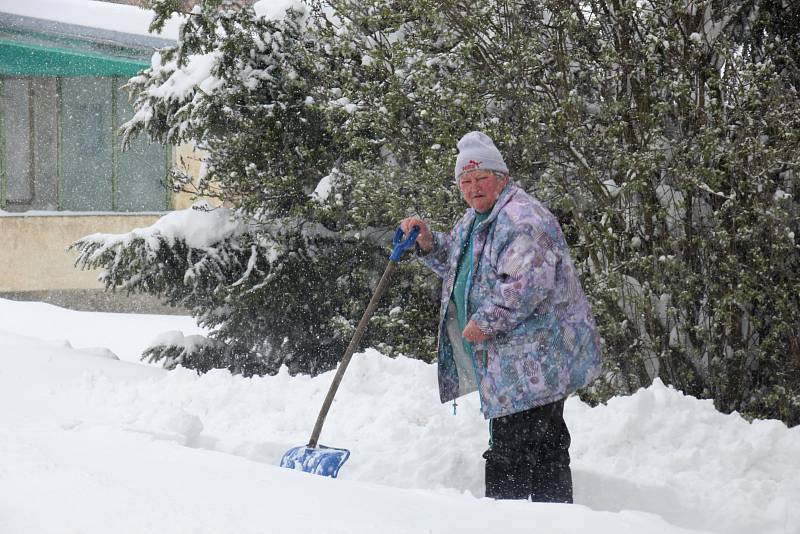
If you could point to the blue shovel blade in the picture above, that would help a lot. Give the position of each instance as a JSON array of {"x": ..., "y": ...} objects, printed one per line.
[{"x": 321, "y": 460}]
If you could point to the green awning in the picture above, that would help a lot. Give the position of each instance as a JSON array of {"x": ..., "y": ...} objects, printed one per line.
[{"x": 17, "y": 59}]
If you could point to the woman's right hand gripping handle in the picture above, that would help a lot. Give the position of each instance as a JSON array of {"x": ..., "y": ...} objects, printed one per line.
[{"x": 425, "y": 237}]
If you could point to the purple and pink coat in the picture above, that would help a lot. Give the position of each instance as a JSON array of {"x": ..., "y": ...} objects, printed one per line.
[{"x": 523, "y": 291}]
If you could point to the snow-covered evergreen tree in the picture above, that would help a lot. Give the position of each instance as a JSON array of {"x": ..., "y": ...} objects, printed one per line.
[{"x": 290, "y": 287}]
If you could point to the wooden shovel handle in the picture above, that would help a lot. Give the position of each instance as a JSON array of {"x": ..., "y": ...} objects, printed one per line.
[{"x": 351, "y": 348}]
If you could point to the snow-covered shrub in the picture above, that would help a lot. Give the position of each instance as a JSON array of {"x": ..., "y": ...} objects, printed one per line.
[{"x": 664, "y": 134}]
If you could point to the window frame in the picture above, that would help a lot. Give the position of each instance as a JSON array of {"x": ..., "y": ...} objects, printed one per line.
[{"x": 115, "y": 84}]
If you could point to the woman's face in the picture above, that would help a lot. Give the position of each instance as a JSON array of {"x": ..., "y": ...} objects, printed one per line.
[{"x": 481, "y": 188}]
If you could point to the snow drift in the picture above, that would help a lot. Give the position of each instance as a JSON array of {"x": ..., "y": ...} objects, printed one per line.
[{"x": 93, "y": 444}]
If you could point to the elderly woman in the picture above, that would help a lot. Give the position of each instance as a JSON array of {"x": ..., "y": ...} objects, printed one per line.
[{"x": 514, "y": 324}]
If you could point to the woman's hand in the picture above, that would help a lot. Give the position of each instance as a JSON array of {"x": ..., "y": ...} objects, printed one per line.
[
  {"x": 425, "y": 237},
  {"x": 473, "y": 334}
]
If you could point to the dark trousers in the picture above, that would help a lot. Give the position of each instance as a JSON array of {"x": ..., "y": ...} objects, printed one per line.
[{"x": 528, "y": 457}]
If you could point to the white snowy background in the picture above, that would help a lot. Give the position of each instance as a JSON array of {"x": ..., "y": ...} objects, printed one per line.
[{"x": 94, "y": 444}]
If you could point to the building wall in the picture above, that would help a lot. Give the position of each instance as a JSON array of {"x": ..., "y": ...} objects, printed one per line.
[{"x": 33, "y": 255}]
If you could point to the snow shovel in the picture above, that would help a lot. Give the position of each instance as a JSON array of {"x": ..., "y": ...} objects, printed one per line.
[{"x": 319, "y": 459}]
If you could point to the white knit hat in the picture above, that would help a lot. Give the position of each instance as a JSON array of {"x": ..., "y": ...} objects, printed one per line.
[{"x": 476, "y": 151}]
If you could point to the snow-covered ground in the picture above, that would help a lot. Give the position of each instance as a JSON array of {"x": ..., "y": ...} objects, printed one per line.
[
  {"x": 92, "y": 444},
  {"x": 126, "y": 335}
]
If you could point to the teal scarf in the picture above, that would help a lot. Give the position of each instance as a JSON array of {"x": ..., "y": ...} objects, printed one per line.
[{"x": 463, "y": 272}]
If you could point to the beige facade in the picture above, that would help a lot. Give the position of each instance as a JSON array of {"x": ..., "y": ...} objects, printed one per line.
[
  {"x": 33, "y": 255},
  {"x": 187, "y": 159}
]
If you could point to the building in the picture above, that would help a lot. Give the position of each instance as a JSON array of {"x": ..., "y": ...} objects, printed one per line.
[{"x": 63, "y": 173}]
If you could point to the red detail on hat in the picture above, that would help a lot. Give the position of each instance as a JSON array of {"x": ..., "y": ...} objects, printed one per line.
[{"x": 472, "y": 165}]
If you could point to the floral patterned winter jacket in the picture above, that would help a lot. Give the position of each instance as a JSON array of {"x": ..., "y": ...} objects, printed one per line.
[{"x": 524, "y": 292}]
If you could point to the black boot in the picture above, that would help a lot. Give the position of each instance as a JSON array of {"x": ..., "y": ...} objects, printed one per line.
[
  {"x": 552, "y": 483},
  {"x": 529, "y": 456}
]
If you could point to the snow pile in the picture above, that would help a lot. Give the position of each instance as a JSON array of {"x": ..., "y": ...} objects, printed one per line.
[
  {"x": 657, "y": 451},
  {"x": 660, "y": 450},
  {"x": 105, "y": 445},
  {"x": 199, "y": 226}
]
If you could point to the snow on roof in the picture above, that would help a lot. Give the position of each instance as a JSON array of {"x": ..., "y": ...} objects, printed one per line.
[
  {"x": 101, "y": 15},
  {"x": 118, "y": 17}
]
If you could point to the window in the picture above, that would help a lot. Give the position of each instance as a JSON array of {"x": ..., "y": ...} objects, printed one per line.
[{"x": 60, "y": 148}]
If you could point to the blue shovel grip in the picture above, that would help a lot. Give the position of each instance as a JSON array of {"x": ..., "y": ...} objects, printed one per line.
[{"x": 401, "y": 245}]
